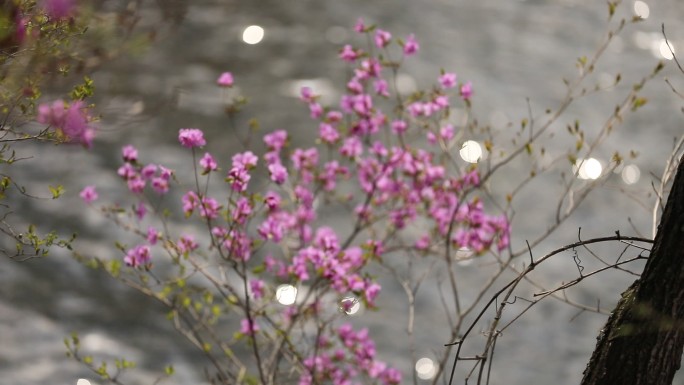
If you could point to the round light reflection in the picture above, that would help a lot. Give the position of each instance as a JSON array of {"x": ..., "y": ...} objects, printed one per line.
[
  {"x": 349, "y": 305},
  {"x": 464, "y": 256},
  {"x": 641, "y": 9},
  {"x": 286, "y": 294},
  {"x": 471, "y": 151},
  {"x": 406, "y": 84},
  {"x": 664, "y": 49},
  {"x": 630, "y": 174},
  {"x": 590, "y": 169},
  {"x": 82, "y": 381},
  {"x": 253, "y": 34},
  {"x": 425, "y": 368}
]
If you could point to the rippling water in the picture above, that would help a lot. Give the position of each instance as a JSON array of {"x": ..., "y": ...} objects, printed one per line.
[{"x": 510, "y": 50}]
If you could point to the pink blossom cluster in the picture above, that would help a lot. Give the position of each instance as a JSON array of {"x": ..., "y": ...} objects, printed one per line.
[
  {"x": 354, "y": 354},
  {"x": 324, "y": 258},
  {"x": 138, "y": 175},
  {"x": 139, "y": 256},
  {"x": 191, "y": 137},
  {"x": 72, "y": 121},
  {"x": 406, "y": 184},
  {"x": 395, "y": 187},
  {"x": 239, "y": 175}
]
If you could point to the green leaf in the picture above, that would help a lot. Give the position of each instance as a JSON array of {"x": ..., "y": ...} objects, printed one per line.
[
  {"x": 169, "y": 370},
  {"x": 638, "y": 102},
  {"x": 56, "y": 191},
  {"x": 611, "y": 8}
]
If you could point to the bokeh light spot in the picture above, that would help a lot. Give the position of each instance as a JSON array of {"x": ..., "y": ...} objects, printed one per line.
[
  {"x": 589, "y": 169},
  {"x": 253, "y": 34},
  {"x": 425, "y": 368},
  {"x": 641, "y": 9},
  {"x": 630, "y": 174},
  {"x": 471, "y": 151},
  {"x": 666, "y": 49},
  {"x": 286, "y": 294}
]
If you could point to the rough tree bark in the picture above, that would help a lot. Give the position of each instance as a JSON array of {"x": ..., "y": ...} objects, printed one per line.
[{"x": 642, "y": 341}]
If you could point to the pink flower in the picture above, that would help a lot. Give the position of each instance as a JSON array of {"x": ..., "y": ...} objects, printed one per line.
[
  {"x": 423, "y": 243},
  {"x": 382, "y": 38},
  {"x": 306, "y": 94},
  {"x": 191, "y": 137},
  {"x": 88, "y": 194},
  {"x": 466, "y": 91},
  {"x": 391, "y": 376},
  {"x": 472, "y": 178},
  {"x": 127, "y": 171},
  {"x": 272, "y": 229},
  {"x": 446, "y": 132},
  {"x": 276, "y": 140},
  {"x": 305, "y": 159},
  {"x": 160, "y": 185},
  {"x": 441, "y": 101},
  {"x": 380, "y": 87},
  {"x": 190, "y": 201},
  {"x": 371, "y": 290},
  {"x": 360, "y": 27},
  {"x": 448, "y": 80},
  {"x": 272, "y": 157},
  {"x": 129, "y": 153},
  {"x": 328, "y": 133},
  {"x": 246, "y": 160},
  {"x": 166, "y": 173},
  {"x": 348, "y": 54},
  {"x": 399, "y": 126},
  {"x": 138, "y": 256},
  {"x": 315, "y": 110},
  {"x": 257, "y": 287},
  {"x": 72, "y": 122},
  {"x": 187, "y": 244},
  {"x": 352, "y": 147},
  {"x": 411, "y": 46},
  {"x": 225, "y": 80},
  {"x": 239, "y": 245},
  {"x": 209, "y": 208},
  {"x": 242, "y": 210},
  {"x": 278, "y": 173},
  {"x": 208, "y": 163},
  {"x": 238, "y": 178},
  {"x": 140, "y": 211},
  {"x": 333, "y": 116},
  {"x": 354, "y": 86},
  {"x": 153, "y": 235},
  {"x": 148, "y": 171},
  {"x": 136, "y": 184},
  {"x": 248, "y": 327},
  {"x": 272, "y": 200}
]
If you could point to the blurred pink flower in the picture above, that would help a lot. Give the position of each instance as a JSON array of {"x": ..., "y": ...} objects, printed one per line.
[
  {"x": 89, "y": 194},
  {"x": 225, "y": 80}
]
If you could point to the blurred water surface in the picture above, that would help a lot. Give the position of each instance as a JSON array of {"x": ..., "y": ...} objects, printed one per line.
[{"x": 510, "y": 50}]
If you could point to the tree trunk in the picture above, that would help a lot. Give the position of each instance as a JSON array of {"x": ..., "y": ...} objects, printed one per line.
[{"x": 643, "y": 338}]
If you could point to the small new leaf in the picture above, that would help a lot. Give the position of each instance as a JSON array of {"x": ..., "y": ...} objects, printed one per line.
[
  {"x": 56, "y": 191},
  {"x": 638, "y": 102}
]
